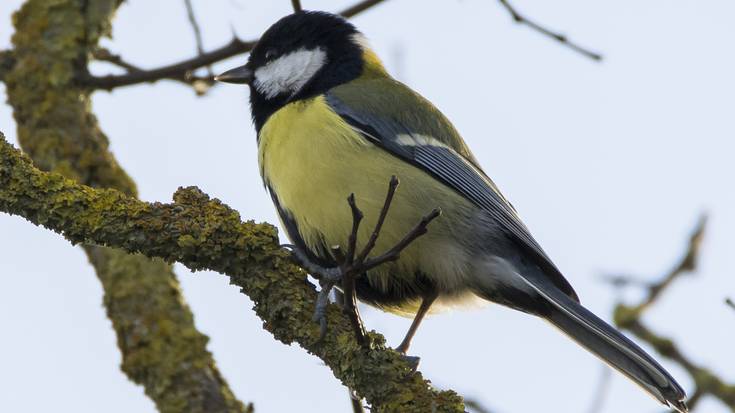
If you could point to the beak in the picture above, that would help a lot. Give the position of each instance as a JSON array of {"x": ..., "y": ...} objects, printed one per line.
[{"x": 239, "y": 75}]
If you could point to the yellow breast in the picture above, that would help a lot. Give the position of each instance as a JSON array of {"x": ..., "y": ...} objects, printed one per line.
[{"x": 313, "y": 160}]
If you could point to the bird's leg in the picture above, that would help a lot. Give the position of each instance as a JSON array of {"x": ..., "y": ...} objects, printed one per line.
[
  {"x": 423, "y": 309},
  {"x": 406, "y": 343},
  {"x": 351, "y": 265}
]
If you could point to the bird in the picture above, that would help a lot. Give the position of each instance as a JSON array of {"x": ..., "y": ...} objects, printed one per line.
[{"x": 331, "y": 122}]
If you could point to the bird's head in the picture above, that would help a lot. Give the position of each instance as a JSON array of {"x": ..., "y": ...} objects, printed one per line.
[{"x": 301, "y": 56}]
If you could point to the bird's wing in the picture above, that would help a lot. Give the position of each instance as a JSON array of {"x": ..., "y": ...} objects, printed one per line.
[{"x": 405, "y": 124}]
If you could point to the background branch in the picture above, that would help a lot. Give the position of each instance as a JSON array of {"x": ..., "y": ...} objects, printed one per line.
[
  {"x": 203, "y": 233},
  {"x": 199, "y": 44},
  {"x": 629, "y": 317},
  {"x": 182, "y": 71},
  {"x": 521, "y": 19}
]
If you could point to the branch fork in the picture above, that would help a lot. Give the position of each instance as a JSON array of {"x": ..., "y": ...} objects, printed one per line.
[{"x": 353, "y": 264}]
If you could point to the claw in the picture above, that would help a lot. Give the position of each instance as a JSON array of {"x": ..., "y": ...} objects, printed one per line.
[
  {"x": 320, "y": 311},
  {"x": 412, "y": 361}
]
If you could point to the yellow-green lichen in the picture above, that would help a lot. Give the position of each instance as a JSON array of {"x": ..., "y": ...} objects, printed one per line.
[
  {"x": 161, "y": 348},
  {"x": 248, "y": 253}
]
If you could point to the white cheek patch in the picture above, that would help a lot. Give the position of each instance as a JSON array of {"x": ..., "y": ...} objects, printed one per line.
[{"x": 289, "y": 73}]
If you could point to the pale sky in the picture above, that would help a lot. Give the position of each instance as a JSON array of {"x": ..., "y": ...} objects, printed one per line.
[{"x": 608, "y": 164}]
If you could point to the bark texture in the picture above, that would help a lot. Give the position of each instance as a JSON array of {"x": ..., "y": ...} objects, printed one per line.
[
  {"x": 161, "y": 348},
  {"x": 203, "y": 233}
]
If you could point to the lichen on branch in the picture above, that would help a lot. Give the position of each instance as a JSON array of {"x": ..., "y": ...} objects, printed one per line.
[
  {"x": 204, "y": 233},
  {"x": 160, "y": 346}
]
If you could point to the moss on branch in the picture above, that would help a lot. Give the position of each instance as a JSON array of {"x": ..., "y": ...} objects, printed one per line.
[
  {"x": 161, "y": 348},
  {"x": 203, "y": 233}
]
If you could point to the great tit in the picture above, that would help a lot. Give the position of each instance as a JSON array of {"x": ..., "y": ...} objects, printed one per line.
[{"x": 331, "y": 122}]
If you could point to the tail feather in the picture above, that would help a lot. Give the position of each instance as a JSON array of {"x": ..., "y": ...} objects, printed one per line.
[
  {"x": 620, "y": 353},
  {"x": 608, "y": 344}
]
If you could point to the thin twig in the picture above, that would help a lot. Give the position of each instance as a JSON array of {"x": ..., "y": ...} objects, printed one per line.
[
  {"x": 350, "y": 308},
  {"x": 730, "y": 303},
  {"x": 197, "y": 32},
  {"x": 183, "y": 70},
  {"x": 620, "y": 281},
  {"x": 178, "y": 71},
  {"x": 356, "y": 219},
  {"x": 630, "y": 318},
  {"x": 694, "y": 399},
  {"x": 395, "y": 252},
  {"x": 688, "y": 263},
  {"x": 705, "y": 380},
  {"x": 358, "y": 8},
  {"x": 475, "y": 405},
  {"x": 104, "y": 55},
  {"x": 381, "y": 219},
  {"x": 352, "y": 265},
  {"x": 521, "y": 19},
  {"x": 603, "y": 388},
  {"x": 296, "y": 4}
]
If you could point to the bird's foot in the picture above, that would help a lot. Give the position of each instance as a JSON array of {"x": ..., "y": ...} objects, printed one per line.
[
  {"x": 327, "y": 276},
  {"x": 412, "y": 361}
]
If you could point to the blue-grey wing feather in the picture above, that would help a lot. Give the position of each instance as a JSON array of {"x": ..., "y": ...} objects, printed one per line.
[{"x": 454, "y": 170}]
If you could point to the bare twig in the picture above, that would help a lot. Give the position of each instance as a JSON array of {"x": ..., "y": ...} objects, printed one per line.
[
  {"x": 475, "y": 405},
  {"x": 395, "y": 252},
  {"x": 630, "y": 318},
  {"x": 104, "y": 55},
  {"x": 183, "y": 70},
  {"x": 197, "y": 32},
  {"x": 178, "y": 71},
  {"x": 521, "y": 19},
  {"x": 381, "y": 219},
  {"x": 603, "y": 388},
  {"x": 705, "y": 381},
  {"x": 730, "y": 303},
  {"x": 296, "y": 4},
  {"x": 352, "y": 265},
  {"x": 359, "y": 8},
  {"x": 620, "y": 281},
  {"x": 687, "y": 263}
]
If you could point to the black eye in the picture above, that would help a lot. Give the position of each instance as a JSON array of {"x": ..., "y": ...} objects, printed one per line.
[{"x": 270, "y": 54}]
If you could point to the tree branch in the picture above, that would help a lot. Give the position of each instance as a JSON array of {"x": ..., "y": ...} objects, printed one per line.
[
  {"x": 296, "y": 4},
  {"x": 203, "y": 233},
  {"x": 358, "y": 8},
  {"x": 562, "y": 39},
  {"x": 161, "y": 348},
  {"x": 197, "y": 33},
  {"x": 630, "y": 318},
  {"x": 182, "y": 71}
]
